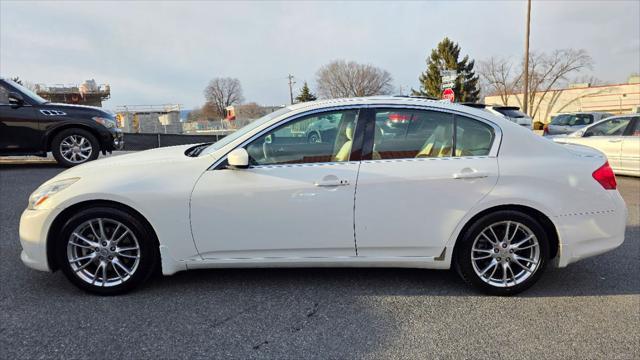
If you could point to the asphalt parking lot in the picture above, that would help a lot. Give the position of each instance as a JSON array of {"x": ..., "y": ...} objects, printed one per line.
[{"x": 589, "y": 310}]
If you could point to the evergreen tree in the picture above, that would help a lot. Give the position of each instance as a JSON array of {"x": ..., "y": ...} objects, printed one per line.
[
  {"x": 445, "y": 57},
  {"x": 305, "y": 94}
]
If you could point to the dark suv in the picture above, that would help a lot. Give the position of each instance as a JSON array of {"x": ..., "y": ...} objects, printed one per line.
[{"x": 30, "y": 125}]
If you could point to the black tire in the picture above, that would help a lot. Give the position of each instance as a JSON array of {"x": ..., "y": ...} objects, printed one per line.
[
  {"x": 463, "y": 253},
  {"x": 67, "y": 133},
  {"x": 148, "y": 251}
]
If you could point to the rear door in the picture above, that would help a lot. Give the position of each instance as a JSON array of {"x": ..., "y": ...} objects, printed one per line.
[
  {"x": 607, "y": 137},
  {"x": 415, "y": 184}
]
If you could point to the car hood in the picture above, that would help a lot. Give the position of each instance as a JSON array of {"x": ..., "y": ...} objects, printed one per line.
[
  {"x": 71, "y": 108},
  {"x": 133, "y": 162}
]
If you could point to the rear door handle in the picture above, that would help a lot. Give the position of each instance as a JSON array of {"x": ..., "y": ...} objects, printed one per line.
[
  {"x": 615, "y": 140},
  {"x": 332, "y": 183},
  {"x": 471, "y": 174}
]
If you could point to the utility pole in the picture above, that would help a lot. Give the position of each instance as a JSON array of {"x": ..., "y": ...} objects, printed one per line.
[
  {"x": 291, "y": 82},
  {"x": 525, "y": 101}
]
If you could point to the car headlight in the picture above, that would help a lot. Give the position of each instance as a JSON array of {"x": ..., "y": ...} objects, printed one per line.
[
  {"x": 46, "y": 191},
  {"x": 108, "y": 123}
]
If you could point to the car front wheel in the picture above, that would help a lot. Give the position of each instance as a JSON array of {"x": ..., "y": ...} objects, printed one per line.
[
  {"x": 73, "y": 147},
  {"x": 106, "y": 251},
  {"x": 503, "y": 253}
]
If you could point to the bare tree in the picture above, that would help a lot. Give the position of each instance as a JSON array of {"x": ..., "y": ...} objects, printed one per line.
[
  {"x": 350, "y": 79},
  {"x": 499, "y": 78},
  {"x": 546, "y": 73},
  {"x": 549, "y": 71},
  {"x": 221, "y": 93}
]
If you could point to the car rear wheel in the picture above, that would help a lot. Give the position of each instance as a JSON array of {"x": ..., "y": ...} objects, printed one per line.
[
  {"x": 73, "y": 147},
  {"x": 106, "y": 251},
  {"x": 503, "y": 253}
]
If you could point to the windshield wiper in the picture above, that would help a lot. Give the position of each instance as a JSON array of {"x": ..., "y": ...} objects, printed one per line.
[{"x": 196, "y": 150}]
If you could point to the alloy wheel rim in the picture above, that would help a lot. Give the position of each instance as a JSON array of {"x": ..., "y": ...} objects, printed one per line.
[
  {"x": 76, "y": 148},
  {"x": 103, "y": 252},
  {"x": 505, "y": 254}
]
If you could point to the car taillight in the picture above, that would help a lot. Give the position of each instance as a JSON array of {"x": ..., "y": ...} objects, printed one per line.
[
  {"x": 604, "y": 175},
  {"x": 545, "y": 129}
]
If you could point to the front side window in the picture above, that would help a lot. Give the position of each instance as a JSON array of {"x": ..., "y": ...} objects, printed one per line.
[
  {"x": 324, "y": 137},
  {"x": 402, "y": 134},
  {"x": 613, "y": 127}
]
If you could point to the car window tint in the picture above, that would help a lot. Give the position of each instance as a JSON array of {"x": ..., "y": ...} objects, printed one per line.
[
  {"x": 613, "y": 127},
  {"x": 473, "y": 138},
  {"x": 4, "y": 95},
  {"x": 403, "y": 133},
  {"x": 325, "y": 137}
]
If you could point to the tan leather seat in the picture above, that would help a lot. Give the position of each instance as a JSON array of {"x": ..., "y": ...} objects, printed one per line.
[
  {"x": 438, "y": 144},
  {"x": 345, "y": 150}
]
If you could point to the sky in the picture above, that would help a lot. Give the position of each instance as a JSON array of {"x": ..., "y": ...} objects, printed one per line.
[{"x": 167, "y": 51}]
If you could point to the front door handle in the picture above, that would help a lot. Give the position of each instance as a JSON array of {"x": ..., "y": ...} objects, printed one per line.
[{"x": 615, "y": 140}]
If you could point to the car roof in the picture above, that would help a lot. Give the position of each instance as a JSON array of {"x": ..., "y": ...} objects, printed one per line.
[{"x": 381, "y": 100}]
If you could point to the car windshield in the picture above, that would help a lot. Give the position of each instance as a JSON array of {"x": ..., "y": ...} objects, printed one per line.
[
  {"x": 28, "y": 93},
  {"x": 512, "y": 113},
  {"x": 572, "y": 120},
  {"x": 247, "y": 128}
]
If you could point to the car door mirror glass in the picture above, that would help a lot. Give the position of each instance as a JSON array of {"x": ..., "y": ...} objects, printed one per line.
[
  {"x": 16, "y": 100},
  {"x": 238, "y": 159}
]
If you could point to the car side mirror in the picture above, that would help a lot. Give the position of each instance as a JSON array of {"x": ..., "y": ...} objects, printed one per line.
[
  {"x": 238, "y": 159},
  {"x": 586, "y": 134},
  {"x": 15, "y": 100}
]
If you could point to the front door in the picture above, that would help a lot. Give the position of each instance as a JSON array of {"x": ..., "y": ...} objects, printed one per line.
[
  {"x": 19, "y": 127},
  {"x": 607, "y": 137},
  {"x": 422, "y": 179},
  {"x": 630, "y": 154},
  {"x": 294, "y": 201}
]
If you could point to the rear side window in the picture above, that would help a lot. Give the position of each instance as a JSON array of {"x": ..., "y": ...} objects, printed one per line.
[
  {"x": 402, "y": 134},
  {"x": 636, "y": 129},
  {"x": 405, "y": 134},
  {"x": 473, "y": 138}
]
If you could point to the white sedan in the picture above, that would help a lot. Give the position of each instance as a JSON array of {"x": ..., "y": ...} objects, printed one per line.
[
  {"x": 617, "y": 137},
  {"x": 449, "y": 186}
]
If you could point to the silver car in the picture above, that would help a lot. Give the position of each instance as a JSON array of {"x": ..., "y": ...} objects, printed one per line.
[
  {"x": 511, "y": 113},
  {"x": 569, "y": 123},
  {"x": 618, "y": 137}
]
